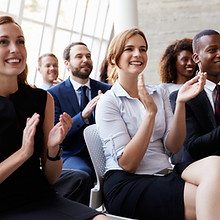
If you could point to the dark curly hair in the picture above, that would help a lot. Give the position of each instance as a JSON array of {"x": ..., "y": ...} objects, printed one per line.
[{"x": 167, "y": 67}]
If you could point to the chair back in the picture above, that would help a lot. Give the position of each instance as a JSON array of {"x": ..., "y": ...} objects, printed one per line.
[{"x": 94, "y": 145}]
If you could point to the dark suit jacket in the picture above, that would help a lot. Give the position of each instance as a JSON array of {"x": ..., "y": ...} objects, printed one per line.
[
  {"x": 66, "y": 101},
  {"x": 203, "y": 137}
]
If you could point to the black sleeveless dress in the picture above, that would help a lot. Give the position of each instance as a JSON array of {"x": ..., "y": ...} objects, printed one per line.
[{"x": 26, "y": 194}]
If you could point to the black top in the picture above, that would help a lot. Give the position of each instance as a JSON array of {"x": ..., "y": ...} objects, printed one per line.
[{"x": 28, "y": 181}]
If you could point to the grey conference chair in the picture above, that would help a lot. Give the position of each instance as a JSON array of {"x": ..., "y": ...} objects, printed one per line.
[{"x": 94, "y": 145}]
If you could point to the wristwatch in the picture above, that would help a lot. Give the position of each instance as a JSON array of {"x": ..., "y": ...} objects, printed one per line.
[{"x": 58, "y": 156}]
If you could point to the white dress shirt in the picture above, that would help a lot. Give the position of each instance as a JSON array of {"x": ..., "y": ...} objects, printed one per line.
[
  {"x": 211, "y": 92},
  {"x": 77, "y": 86},
  {"x": 118, "y": 117}
]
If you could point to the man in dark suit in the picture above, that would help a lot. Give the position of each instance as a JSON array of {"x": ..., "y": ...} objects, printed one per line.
[
  {"x": 203, "y": 134},
  {"x": 68, "y": 97}
]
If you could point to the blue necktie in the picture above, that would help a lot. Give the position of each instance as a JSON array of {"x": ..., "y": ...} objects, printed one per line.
[
  {"x": 217, "y": 106},
  {"x": 84, "y": 98},
  {"x": 84, "y": 102}
]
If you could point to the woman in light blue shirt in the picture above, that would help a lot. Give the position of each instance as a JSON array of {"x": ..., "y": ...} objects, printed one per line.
[{"x": 138, "y": 131}]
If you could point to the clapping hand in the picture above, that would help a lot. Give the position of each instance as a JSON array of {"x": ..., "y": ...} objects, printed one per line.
[
  {"x": 60, "y": 130},
  {"x": 145, "y": 97},
  {"x": 87, "y": 111},
  {"x": 29, "y": 133},
  {"x": 192, "y": 88}
]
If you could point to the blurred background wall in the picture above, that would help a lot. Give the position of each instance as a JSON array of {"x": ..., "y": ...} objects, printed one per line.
[{"x": 50, "y": 25}]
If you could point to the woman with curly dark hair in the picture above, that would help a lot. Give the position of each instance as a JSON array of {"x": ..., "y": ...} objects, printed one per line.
[
  {"x": 176, "y": 64},
  {"x": 176, "y": 67}
]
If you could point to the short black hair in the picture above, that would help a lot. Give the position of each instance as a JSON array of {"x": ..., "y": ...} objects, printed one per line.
[{"x": 201, "y": 34}]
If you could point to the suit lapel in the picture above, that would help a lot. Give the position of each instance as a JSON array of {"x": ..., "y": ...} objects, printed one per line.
[
  {"x": 202, "y": 109},
  {"x": 94, "y": 88},
  {"x": 71, "y": 95},
  {"x": 94, "y": 92}
]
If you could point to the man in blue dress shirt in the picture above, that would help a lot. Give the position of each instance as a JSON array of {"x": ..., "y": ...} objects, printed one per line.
[{"x": 49, "y": 70}]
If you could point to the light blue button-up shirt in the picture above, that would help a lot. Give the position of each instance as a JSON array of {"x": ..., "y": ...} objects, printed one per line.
[
  {"x": 45, "y": 86},
  {"x": 118, "y": 117}
]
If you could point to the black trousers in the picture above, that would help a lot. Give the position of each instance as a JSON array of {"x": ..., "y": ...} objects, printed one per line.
[{"x": 74, "y": 185}]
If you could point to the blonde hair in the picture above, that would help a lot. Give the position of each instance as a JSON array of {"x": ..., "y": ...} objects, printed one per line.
[{"x": 116, "y": 48}]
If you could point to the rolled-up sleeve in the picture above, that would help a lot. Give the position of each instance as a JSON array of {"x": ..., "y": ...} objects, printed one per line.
[{"x": 111, "y": 127}]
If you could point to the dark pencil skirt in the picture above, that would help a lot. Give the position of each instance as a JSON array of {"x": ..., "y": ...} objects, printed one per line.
[{"x": 145, "y": 197}]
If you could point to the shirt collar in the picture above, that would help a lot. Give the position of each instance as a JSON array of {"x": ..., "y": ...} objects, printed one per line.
[
  {"x": 77, "y": 85},
  {"x": 210, "y": 85},
  {"x": 45, "y": 86},
  {"x": 119, "y": 91}
]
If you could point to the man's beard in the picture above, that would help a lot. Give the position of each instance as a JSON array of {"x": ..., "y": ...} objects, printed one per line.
[{"x": 81, "y": 75}]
